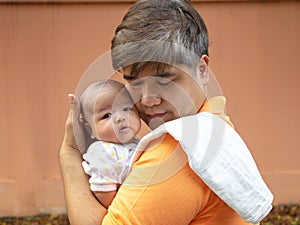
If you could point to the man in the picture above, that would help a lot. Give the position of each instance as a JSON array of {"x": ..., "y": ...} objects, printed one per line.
[{"x": 161, "y": 47}]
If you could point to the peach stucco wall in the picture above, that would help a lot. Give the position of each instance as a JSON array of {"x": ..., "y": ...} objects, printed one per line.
[{"x": 46, "y": 47}]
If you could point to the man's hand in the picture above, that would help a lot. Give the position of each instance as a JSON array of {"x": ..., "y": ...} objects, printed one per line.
[{"x": 75, "y": 136}]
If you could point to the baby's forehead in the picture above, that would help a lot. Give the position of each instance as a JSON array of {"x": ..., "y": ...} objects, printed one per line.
[
  {"x": 112, "y": 91},
  {"x": 110, "y": 96}
]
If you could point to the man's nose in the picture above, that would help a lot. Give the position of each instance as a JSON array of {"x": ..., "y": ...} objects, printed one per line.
[
  {"x": 149, "y": 95},
  {"x": 150, "y": 100}
]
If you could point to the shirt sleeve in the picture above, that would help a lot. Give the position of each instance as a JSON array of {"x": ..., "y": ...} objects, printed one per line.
[{"x": 101, "y": 165}]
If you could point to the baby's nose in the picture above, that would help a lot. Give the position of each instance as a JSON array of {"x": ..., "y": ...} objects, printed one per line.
[{"x": 119, "y": 117}]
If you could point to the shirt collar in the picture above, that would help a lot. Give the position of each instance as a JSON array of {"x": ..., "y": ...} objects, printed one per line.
[{"x": 214, "y": 105}]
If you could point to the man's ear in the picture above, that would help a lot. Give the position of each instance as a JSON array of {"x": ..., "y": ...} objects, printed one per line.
[
  {"x": 203, "y": 69},
  {"x": 88, "y": 128}
]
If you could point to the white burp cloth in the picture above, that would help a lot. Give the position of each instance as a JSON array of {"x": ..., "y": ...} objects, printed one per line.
[{"x": 219, "y": 156}]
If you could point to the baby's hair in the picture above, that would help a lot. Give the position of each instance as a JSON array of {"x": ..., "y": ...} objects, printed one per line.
[{"x": 89, "y": 96}]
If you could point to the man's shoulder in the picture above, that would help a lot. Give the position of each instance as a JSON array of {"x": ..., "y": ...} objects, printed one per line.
[{"x": 158, "y": 150}]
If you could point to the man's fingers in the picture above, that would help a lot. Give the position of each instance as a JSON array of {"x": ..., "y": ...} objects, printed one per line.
[
  {"x": 75, "y": 107},
  {"x": 77, "y": 135},
  {"x": 71, "y": 100}
]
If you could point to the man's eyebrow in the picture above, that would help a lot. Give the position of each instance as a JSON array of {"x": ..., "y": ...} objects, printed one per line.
[
  {"x": 129, "y": 77},
  {"x": 163, "y": 75}
]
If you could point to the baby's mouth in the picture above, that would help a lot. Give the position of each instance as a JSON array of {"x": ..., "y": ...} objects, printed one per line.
[{"x": 125, "y": 129}]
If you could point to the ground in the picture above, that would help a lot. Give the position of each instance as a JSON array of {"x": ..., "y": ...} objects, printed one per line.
[{"x": 284, "y": 214}]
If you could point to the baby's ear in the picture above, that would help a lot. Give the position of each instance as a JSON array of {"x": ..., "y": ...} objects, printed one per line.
[
  {"x": 88, "y": 128},
  {"x": 81, "y": 119}
]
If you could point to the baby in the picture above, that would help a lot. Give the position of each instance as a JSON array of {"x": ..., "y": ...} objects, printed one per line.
[{"x": 111, "y": 119}]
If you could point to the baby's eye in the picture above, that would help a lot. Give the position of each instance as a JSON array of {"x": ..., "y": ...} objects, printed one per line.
[
  {"x": 107, "y": 115},
  {"x": 127, "y": 109}
]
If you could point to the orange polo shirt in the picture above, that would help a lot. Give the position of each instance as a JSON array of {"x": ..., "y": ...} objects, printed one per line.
[{"x": 162, "y": 189}]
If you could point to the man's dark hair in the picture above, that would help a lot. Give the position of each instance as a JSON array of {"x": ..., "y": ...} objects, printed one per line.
[{"x": 160, "y": 32}]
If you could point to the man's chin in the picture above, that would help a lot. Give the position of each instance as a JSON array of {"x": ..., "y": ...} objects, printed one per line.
[{"x": 155, "y": 122}]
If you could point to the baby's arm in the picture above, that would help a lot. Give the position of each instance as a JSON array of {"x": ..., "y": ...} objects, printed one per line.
[
  {"x": 105, "y": 198},
  {"x": 101, "y": 167}
]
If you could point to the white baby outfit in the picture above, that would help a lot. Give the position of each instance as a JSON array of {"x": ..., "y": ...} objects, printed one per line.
[{"x": 108, "y": 164}]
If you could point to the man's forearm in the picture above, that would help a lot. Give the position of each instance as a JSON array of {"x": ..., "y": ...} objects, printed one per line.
[{"x": 82, "y": 206}]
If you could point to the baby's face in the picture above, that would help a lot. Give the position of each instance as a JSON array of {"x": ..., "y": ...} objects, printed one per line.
[{"x": 115, "y": 117}]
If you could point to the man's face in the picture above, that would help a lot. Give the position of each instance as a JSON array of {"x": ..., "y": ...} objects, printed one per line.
[{"x": 167, "y": 95}]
